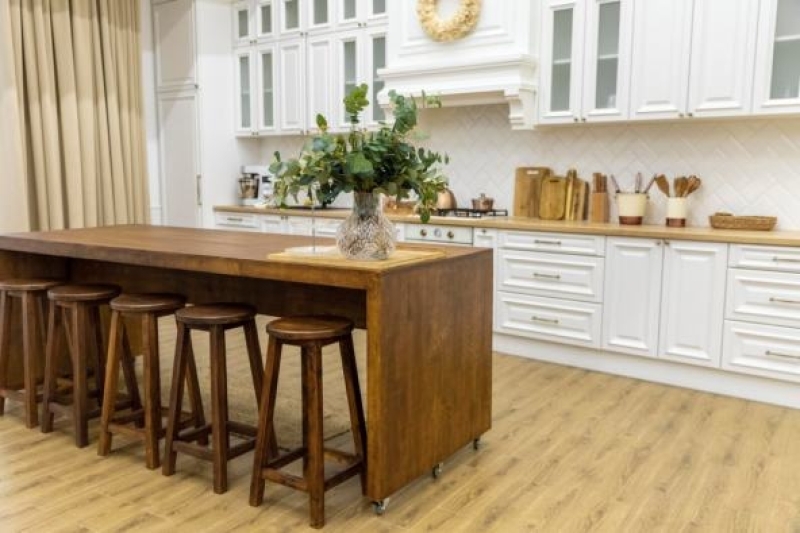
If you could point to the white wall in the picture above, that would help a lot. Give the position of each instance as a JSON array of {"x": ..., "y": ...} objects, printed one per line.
[
  {"x": 150, "y": 114},
  {"x": 748, "y": 166}
]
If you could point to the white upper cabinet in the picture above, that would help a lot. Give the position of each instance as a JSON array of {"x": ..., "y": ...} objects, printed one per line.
[
  {"x": 777, "y": 85},
  {"x": 176, "y": 56},
  {"x": 585, "y": 60},
  {"x": 266, "y": 83},
  {"x": 254, "y": 21},
  {"x": 292, "y": 76},
  {"x": 320, "y": 63},
  {"x": 692, "y": 58},
  {"x": 359, "y": 13}
]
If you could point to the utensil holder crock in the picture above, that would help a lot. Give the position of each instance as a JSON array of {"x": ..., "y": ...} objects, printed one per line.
[
  {"x": 631, "y": 207},
  {"x": 676, "y": 212}
]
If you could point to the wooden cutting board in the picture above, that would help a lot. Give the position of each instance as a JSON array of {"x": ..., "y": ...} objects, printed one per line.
[
  {"x": 553, "y": 200},
  {"x": 527, "y": 188}
]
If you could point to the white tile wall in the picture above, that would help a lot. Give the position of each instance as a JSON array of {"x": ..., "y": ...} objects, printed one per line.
[{"x": 748, "y": 166}]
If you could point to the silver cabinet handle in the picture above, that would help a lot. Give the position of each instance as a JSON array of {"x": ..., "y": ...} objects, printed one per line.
[
  {"x": 778, "y": 354},
  {"x": 544, "y": 320},
  {"x": 546, "y": 276},
  {"x": 778, "y": 258},
  {"x": 545, "y": 241},
  {"x": 234, "y": 219},
  {"x": 198, "y": 190},
  {"x": 783, "y": 301}
]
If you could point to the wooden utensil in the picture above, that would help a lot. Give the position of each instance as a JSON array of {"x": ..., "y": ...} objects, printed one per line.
[
  {"x": 692, "y": 185},
  {"x": 680, "y": 186},
  {"x": 663, "y": 184},
  {"x": 553, "y": 198},
  {"x": 527, "y": 188}
]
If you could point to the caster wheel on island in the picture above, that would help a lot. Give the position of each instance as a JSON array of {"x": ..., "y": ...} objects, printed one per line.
[
  {"x": 380, "y": 506},
  {"x": 476, "y": 444},
  {"x": 437, "y": 471}
]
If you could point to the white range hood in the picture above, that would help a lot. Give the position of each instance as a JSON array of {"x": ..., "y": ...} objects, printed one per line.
[{"x": 495, "y": 63}]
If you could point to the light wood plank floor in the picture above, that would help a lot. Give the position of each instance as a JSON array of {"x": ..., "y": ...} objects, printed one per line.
[{"x": 570, "y": 450}]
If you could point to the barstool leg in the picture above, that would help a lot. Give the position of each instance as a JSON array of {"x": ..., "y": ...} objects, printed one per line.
[
  {"x": 315, "y": 471},
  {"x": 254, "y": 357},
  {"x": 5, "y": 344},
  {"x": 111, "y": 382},
  {"x": 52, "y": 349},
  {"x": 80, "y": 396},
  {"x": 357, "y": 422},
  {"x": 195, "y": 400},
  {"x": 266, "y": 410},
  {"x": 152, "y": 392},
  {"x": 29, "y": 349},
  {"x": 129, "y": 374},
  {"x": 182, "y": 347},
  {"x": 219, "y": 409},
  {"x": 93, "y": 318}
]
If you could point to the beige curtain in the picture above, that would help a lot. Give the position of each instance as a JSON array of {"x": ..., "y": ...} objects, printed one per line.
[{"x": 77, "y": 78}]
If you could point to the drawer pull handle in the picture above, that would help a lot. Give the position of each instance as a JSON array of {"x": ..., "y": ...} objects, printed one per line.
[
  {"x": 544, "y": 320},
  {"x": 783, "y": 301},
  {"x": 234, "y": 219},
  {"x": 546, "y": 276},
  {"x": 778, "y": 258},
  {"x": 778, "y": 354},
  {"x": 543, "y": 241}
]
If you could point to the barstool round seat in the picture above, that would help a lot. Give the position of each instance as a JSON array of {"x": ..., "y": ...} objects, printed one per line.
[
  {"x": 147, "y": 303},
  {"x": 33, "y": 285},
  {"x": 309, "y": 328},
  {"x": 218, "y": 314},
  {"x": 83, "y": 293}
]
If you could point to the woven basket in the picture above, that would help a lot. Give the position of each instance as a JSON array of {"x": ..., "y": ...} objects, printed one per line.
[{"x": 728, "y": 221}]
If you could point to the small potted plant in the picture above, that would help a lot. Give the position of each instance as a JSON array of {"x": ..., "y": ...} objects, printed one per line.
[{"x": 367, "y": 164}]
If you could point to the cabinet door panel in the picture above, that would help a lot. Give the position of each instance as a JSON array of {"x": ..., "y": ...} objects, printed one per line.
[
  {"x": 660, "y": 58},
  {"x": 559, "y": 275},
  {"x": 175, "y": 55},
  {"x": 777, "y": 72},
  {"x": 694, "y": 302},
  {"x": 320, "y": 80},
  {"x": 292, "y": 83},
  {"x": 561, "y": 61},
  {"x": 723, "y": 56},
  {"x": 607, "y": 66},
  {"x": 632, "y": 296},
  {"x": 244, "y": 93},
  {"x": 267, "y": 122}
]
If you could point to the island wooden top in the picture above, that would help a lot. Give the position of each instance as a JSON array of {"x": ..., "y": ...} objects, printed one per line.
[
  {"x": 217, "y": 251},
  {"x": 692, "y": 233}
]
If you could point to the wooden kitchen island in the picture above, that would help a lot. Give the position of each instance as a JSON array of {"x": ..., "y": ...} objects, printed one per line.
[{"x": 428, "y": 321}]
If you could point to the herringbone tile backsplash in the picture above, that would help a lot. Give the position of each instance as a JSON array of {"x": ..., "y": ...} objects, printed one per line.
[{"x": 748, "y": 166}]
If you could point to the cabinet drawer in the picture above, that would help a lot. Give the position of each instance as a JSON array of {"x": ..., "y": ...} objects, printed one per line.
[
  {"x": 765, "y": 257},
  {"x": 577, "y": 277},
  {"x": 767, "y": 297},
  {"x": 247, "y": 221},
  {"x": 769, "y": 351},
  {"x": 549, "y": 319},
  {"x": 553, "y": 242},
  {"x": 326, "y": 228}
]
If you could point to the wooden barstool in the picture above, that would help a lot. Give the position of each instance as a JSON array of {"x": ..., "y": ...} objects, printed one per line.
[
  {"x": 31, "y": 294},
  {"x": 79, "y": 317},
  {"x": 146, "y": 419},
  {"x": 311, "y": 334},
  {"x": 216, "y": 319}
]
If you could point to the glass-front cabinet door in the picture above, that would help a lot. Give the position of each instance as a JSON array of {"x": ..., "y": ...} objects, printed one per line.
[
  {"x": 777, "y": 87},
  {"x": 376, "y": 59},
  {"x": 291, "y": 16},
  {"x": 244, "y": 93},
  {"x": 350, "y": 75},
  {"x": 561, "y": 60},
  {"x": 320, "y": 14},
  {"x": 265, "y": 19},
  {"x": 606, "y": 70},
  {"x": 243, "y": 31},
  {"x": 267, "y": 69}
]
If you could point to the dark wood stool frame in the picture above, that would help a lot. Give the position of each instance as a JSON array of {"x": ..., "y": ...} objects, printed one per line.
[
  {"x": 77, "y": 306},
  {"x": 216, "y": 319},
  {"x": 148, "y": 425},
  {"x": 32, "y": 295},
  {"x": 320, "y": 332}
]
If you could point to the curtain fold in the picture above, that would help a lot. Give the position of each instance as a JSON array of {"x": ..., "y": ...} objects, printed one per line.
[
  {"x": 77, "y": 77},
  {"x": 15, "y": 200}
]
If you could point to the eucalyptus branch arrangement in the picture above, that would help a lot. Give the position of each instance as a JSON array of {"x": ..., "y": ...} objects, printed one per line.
[{"x": 384, "y": 161}]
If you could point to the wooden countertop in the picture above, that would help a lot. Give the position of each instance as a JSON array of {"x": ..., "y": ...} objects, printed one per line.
[
  {"x": 693, "y": 233},
  {"x": 215, "y": 251}
]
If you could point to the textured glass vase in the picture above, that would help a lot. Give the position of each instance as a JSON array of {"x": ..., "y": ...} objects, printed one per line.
[{"x": 367, "y": 234}]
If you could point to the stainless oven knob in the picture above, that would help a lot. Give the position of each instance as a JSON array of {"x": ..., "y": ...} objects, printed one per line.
[
  {"x": 450, "y": 234},
  {"x": 437, "y": 232},
  {"x": 423, "y": 233}
]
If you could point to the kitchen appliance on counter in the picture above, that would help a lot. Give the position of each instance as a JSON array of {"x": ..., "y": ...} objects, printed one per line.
[
  {"x": 253, "y": 179},
  {"x": 470, "y": 212}
]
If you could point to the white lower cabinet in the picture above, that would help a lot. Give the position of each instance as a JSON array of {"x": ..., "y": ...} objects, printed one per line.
[
  {"x": 239, "y": 221},
  {"x": 550, "y": 286},
  {"x": 665, "y": 299},
  {"x": 762, "y": 326}
]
